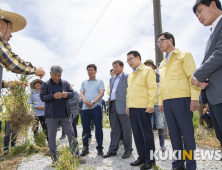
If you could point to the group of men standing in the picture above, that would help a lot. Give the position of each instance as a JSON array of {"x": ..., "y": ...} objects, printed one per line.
[{"x": 133, "y": 97}]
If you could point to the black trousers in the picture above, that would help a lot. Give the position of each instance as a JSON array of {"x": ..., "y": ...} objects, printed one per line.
[
  {"x": 216, "y": 117},
  {"x": 74, "y": 123},
  {"x": 142, "y": 133},
  {"x": 179, "y": 121},
  {"x": 9, "y": 133}
]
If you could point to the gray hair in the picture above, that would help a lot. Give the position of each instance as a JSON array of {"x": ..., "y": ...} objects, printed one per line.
[{"x": 56, "y": 69}]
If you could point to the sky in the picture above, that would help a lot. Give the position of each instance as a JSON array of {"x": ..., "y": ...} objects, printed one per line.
[{"x": 56, "y": 28}]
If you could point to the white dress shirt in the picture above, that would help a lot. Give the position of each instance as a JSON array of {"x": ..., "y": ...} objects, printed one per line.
[{"x": 215, "y": 24}]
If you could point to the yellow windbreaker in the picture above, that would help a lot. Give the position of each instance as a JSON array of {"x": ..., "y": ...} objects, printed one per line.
[
  {"x": 142, "y": 88},
  {"x": 175, "y": 77}
]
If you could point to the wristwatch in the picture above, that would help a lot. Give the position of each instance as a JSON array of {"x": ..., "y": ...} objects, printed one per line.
[{"x": 93, "y": 102}]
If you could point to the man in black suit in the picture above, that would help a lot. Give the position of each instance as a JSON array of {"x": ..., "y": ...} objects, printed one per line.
[
  {"x": 119, "y": 120},
  {"x": 208, "y": 75}
]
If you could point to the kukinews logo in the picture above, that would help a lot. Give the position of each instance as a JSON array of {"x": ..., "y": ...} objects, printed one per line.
[{"x": 183, "y": 155}]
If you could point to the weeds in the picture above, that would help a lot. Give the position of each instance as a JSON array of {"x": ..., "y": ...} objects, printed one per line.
[
  {"x": 156, "y": 167},
  {"x": 17, "y": 109},
  {"x": 195, "y": 119},
  {"x": 39, "y": 139},
  {"x": 207, "y": 137},
  {"x": 106, "y": 123},
  {"x": 67, "y": 160},
  {"x": 26, "y": 148}
]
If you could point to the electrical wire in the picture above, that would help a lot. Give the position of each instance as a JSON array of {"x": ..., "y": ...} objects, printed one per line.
[{"x": 90, "y": 30}]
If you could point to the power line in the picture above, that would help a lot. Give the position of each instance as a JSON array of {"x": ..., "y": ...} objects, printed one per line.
[{"x": 90, "y": 30}]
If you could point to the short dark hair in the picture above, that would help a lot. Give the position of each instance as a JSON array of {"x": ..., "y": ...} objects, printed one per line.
[
  {"x": 91, "y": 65},
  {"x": 111, "y": 70},
  {"x": 118, "y": 61},
  {"x": 168, "y": 35},
  {"x": 135, "y": 53},
  {"x": 207, "y": 3}
]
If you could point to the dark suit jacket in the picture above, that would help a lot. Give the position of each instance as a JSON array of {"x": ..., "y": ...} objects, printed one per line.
[
  {"x": 47, "y": 97},
  {"x": 211, "y": 67},
  {"x": 120, "y": 93}
]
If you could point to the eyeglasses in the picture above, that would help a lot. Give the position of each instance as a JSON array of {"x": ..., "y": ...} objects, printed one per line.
[
  {"x": 130, "y": 59},
  {"x": 160, "y": 41}
]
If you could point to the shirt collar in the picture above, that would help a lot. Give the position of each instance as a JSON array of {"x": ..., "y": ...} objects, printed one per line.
[
  {"x": 215, "y": 23},
  {"x": 135, "y": 70},
  {"x": 168, "y": 56},
  {"x": 93, "y": 79},
  {"x": 54, "y": 82},
  {"x": 120, "y": 75}
]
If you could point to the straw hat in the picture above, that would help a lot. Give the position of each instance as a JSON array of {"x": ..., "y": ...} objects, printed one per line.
[{"x": 18, "y": 21}]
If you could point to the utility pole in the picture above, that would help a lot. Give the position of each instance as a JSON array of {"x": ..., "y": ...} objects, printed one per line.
[
  {"x": 158, "y": 52},
  {"x": 157, "y": 29}
]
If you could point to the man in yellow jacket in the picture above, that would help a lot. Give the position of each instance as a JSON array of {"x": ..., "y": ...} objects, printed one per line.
[
  {"x": 177, "y": 97},
  {"x": 141, "y": 98}
]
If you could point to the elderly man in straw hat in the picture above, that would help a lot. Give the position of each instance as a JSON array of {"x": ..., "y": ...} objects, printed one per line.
[{"x": 12, "y": 22}]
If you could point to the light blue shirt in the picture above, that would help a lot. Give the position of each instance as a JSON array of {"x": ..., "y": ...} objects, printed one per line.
[
  {"x": 168, "y": 56},
  {"x": 135, "y": 70},
  {"x": 91, "y": 90},
  {"x": 35, "y": 101},
  {"x": 115, "y": 84}
]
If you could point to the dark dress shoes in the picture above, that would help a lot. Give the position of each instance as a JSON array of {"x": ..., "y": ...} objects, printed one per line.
[
  {"x": 100, "y": 152},
  {"x": 126, "y": 155},
  {"x": 137, "y": 162},
  {"x": 146, "y": 166},
  {"x": 109, "y": 154},
  {"x": 84, "y": 153}
]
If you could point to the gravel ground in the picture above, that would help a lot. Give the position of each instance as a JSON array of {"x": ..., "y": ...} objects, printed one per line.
[{"x": 40, "y": 162}]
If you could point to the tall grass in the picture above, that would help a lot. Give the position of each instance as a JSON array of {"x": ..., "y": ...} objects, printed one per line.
[
  {"x": 15, "y": 105},
  {"x": 67, "y": 160},
  {"x": 39, "y": 139}
]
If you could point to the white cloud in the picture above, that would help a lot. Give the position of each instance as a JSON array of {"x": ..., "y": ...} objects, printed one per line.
[{"x": 5, "y": 6}]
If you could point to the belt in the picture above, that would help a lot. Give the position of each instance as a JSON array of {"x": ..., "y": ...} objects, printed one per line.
[{"x": 113, "y": 101}]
